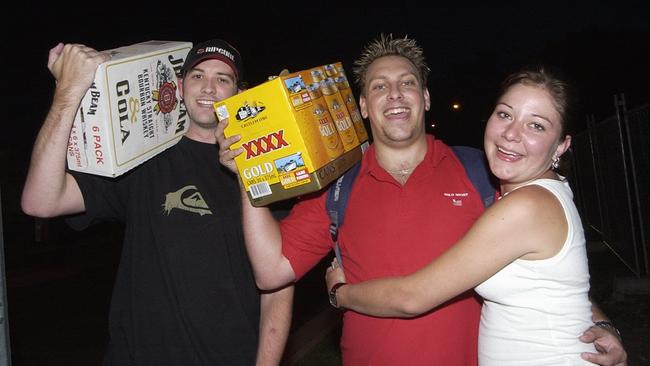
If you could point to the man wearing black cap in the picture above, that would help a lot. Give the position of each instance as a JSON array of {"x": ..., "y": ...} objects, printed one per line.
[{"x": 184, "y": 292}]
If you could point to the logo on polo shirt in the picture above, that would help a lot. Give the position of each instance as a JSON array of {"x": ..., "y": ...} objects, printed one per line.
[{"x": 456, "y": 198}]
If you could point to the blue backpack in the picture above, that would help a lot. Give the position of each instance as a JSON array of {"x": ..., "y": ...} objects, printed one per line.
[{"x": 337, "y": 195}]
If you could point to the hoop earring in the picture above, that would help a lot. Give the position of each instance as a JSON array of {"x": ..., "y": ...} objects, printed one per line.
[{"x": 556, "y": 163}]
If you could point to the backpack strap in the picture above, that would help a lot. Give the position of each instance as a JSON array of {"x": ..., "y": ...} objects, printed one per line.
[
  {"x": 337, "y": 200},
  {"x": 477, "y": 171}
]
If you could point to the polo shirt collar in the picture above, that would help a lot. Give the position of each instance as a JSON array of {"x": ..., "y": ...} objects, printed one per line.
[{"x": 435, "y": 154}]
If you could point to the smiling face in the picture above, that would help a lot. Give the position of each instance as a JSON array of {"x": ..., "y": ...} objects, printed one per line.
[
  {"x": 206, "y": 83},
  {"x": 394, "y": 101},
  {"x": 523, "y": 136}
]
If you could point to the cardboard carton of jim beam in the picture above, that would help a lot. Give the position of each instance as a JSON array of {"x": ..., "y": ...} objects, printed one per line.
[
  {"x": 132, "y": 111},
  {"x": 288, "y": 146}
]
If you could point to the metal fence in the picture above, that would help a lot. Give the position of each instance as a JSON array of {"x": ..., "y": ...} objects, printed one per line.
[
  {"x": 612, "y": 181},
  {"x": 5, "y": 344}
]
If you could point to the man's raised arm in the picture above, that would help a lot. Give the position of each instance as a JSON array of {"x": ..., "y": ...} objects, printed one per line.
[
  {"x": 49, "y": 190},
  {"x": 261, "y": 230}
]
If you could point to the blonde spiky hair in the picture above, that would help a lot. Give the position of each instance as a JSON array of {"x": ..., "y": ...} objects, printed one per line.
[{"x": 387, "y": 45}]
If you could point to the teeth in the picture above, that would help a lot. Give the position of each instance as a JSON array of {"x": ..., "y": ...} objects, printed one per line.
[
  {"x": 394, "y": 111},
  {"x": 506, "y": 152},
  {"x": 205, "y": 102}
]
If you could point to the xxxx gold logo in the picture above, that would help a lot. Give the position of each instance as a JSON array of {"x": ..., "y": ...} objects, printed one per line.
[
  {"x": 264, "y": 144},
  {"x": 188, "y": 199}
]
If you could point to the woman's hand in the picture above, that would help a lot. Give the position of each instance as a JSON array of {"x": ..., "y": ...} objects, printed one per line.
[{"x": 334, "y": 275}]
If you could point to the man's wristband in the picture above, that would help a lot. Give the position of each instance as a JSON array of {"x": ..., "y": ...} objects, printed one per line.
[
  {"x": 607, "y": 325},
  {"x": 333, "y": 301}
]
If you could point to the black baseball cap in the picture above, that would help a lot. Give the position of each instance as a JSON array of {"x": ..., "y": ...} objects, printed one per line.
[{"x": 215, "y": 49}]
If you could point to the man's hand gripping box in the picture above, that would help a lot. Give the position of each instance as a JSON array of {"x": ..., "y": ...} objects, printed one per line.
[
  {"x": 132, "y": 111},
  {"x": 287, "y": 139}
]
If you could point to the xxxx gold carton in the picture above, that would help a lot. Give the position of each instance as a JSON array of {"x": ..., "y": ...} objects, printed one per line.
[
  {"x": 132, "y": 111},
  {"x": 289, "y": 148}
]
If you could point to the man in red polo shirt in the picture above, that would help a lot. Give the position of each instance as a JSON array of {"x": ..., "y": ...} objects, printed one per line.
[
  {"x": 410, "y": 201},
  {"x": 398, "y": 197}
]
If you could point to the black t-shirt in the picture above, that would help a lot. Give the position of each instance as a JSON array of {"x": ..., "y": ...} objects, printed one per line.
[{"x": 184, "y": 293}]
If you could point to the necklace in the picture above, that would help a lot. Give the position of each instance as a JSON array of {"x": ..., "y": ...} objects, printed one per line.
[{"x": 401, "y": 171}]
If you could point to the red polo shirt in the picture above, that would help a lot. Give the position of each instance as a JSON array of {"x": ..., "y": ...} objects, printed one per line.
[{"x": 391, "y": 230}]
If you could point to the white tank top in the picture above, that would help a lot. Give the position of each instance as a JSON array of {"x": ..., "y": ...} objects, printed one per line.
[{"x": 535, "y": 310}]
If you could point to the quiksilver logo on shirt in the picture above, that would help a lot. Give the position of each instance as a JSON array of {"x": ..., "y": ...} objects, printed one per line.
[{"x": 188, "y": 199}]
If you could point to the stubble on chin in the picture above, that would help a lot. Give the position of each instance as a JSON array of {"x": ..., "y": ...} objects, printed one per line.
[
  {"x": 211, "y": 123},
  {"x": 206, "y": 125},
  {"x": 399, "y": 135}
]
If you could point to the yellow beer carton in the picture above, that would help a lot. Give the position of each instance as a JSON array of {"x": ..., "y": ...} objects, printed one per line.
[
  {"x": 289, "y": 148},
  {"x": 132, "y": 110}
]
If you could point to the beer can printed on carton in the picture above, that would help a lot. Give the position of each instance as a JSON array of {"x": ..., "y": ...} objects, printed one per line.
[
  {"x": 132, "y": 110},
  {"x": 326, "y": 126},
  {"x": 322, "y": 115},
  {"x": 337, "y": 108},
  {"x": 338, "y": 74}
]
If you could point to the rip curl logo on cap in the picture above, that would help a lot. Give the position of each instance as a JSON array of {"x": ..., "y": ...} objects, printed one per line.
[{"x": 218, "y": 50}]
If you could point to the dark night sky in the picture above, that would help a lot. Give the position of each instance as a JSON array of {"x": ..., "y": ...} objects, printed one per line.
[{"x": 604, "y": 49}]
